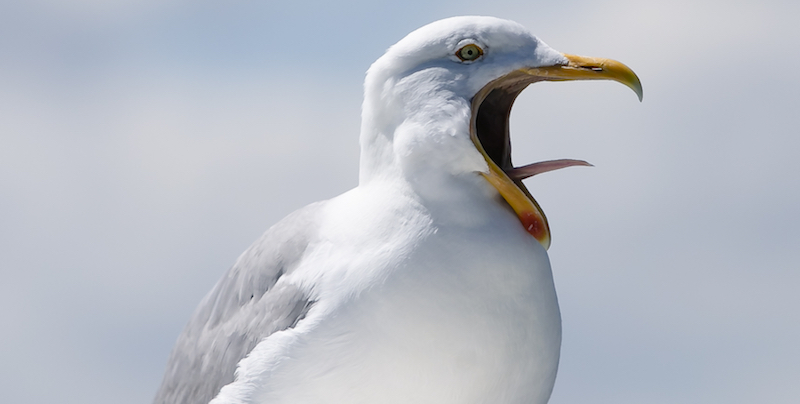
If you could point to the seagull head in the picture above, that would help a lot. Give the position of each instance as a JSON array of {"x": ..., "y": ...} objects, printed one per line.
[{"x": 437, "y": 107}]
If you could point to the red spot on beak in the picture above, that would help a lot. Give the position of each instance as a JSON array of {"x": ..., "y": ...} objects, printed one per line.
[{"x": 533, "y": 225}]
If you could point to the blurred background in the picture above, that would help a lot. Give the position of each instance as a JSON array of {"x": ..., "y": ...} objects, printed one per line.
[{"x": 145, "y": 144}]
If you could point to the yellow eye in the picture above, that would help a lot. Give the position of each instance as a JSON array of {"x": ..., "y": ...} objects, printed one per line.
[{"x": 469, "y": 52}]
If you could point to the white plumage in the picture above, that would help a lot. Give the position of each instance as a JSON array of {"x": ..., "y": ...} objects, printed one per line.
[{"x": 421, "y": 285}]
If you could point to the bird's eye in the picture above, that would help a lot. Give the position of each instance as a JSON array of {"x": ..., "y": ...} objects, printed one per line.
[{"x": 469, "y": 52}]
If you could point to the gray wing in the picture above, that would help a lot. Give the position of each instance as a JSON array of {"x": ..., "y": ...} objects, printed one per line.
[{"x": 244, "y": 307}]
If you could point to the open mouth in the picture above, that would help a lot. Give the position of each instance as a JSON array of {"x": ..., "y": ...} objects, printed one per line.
[{"x": 489, "y": 130}]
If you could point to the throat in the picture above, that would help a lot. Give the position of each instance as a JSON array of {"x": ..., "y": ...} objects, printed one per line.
[{"x": 492, "y": 123}]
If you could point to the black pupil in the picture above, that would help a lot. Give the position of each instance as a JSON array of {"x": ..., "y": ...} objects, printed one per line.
[{"x": 469, "y": 52}]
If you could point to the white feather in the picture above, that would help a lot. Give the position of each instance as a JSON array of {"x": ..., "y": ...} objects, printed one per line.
[{"x": 427, "y": 289}]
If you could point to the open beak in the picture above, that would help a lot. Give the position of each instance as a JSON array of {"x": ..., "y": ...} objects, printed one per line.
[{"x": 489, "y": 130}]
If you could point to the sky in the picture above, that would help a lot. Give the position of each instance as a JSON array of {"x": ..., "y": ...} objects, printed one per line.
[{"x": 145, "y": 144}]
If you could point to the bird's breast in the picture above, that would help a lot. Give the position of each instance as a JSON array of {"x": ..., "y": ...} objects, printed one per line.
[{"x": 465, "y": 317}]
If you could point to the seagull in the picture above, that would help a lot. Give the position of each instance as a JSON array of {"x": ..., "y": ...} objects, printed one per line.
[{"x": 427, "y": 283}]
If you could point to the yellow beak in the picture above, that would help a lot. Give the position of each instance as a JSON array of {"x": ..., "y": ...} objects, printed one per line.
[
  {"x": 589, "y": 68},
  {"x": 578, "y": 68}
]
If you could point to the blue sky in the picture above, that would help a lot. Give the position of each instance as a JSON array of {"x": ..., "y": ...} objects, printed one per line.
[{"x": 145, "y": 144}]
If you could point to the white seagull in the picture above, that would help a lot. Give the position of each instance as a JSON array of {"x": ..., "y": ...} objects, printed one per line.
[{"x": 427, "y": 283}]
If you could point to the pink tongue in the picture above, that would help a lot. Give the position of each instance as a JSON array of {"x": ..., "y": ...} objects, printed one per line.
[{"x": 520, "y": 173}]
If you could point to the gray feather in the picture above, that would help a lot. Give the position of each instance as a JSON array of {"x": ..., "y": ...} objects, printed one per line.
[{"x": 246, "y": 306}]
